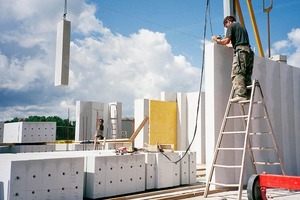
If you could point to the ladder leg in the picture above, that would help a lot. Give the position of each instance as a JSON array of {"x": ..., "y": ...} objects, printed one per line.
[
  {"x": 249, "y": 143},
  {"x": 246, "y": 139},
  {"x": 271, "y": 129}
]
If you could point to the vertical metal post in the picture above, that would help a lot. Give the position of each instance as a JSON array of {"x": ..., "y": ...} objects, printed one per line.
[
  {"x": 267, "y": 10},
  {"x": 228, "y": 9}
]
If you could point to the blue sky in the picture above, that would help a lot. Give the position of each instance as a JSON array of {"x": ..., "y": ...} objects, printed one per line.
[{"x": 121, "y": 50}]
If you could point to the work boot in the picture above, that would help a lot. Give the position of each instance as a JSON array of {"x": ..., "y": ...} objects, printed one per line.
[{"x": 237, "y": 99}]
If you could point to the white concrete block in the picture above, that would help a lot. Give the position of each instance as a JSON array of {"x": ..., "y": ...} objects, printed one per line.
[
  {"x": 151, "y": 167},
  {"x": 199, "y": 144},
  {"x": 184, "y": 168},
  {"x": 182, "y": 140},
  {"x": 168, "y": 96},
  {"x": 167, "y": 173},
  {"x": 192, "y": 167},
  {"x": 141, "y": 109},
  {"x": 296, "y": 75},
  {"x": 217, "y": 89},
  {"x": 125, "y": 181},
  {"x": 11, "y": 133},
  {"x": 150, "y": 158},
  {"x": 111, "y": 176},
  {"x": 77, "y": 174},
  {"x": 34, "y": 175},
  {"x": 17, "y": 181},
  {"x": 95, "y": 176},
  {"x": 49, "y": 179},
  {"x": 288, "y": 122},
  {"x": 62, "y": 53},
  {"x": 139, "y": 172}
]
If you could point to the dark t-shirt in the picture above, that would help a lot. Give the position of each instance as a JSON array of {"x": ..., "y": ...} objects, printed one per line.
[{"x": 238, "y": 34}]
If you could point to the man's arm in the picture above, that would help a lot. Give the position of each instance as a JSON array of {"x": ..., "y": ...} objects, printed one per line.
[{"x": 224, "y": 41}]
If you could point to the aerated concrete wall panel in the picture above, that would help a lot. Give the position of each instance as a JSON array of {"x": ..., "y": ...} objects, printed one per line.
[
  {"x": 198, "y": 145},
  {"x": 141, "y": 109},
  {"x": 296, "y": 83},
  {"x": 279, "y": 83},
  {"x": 182, "y": 141},
  {"x": 62, "y": 53},
  {"x": 218, "y": 61}
]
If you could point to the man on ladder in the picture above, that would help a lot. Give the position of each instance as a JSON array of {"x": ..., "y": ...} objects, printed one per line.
[
  {"x": 243, "y": 57},
  {"x": 251, "y": 128}
]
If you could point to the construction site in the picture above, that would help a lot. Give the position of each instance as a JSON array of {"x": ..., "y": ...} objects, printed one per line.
[{"x": 198, "y": 145}]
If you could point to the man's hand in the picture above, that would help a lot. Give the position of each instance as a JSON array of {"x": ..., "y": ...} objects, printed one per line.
[{"x": 214, "y": 38}]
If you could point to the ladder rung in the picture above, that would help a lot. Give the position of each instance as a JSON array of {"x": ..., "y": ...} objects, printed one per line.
[
  {"x": 224, "y": 184},
  {"x": 228, "y": 166},
  {"x": 260, "y": 133},
  {"x": 263, "y": 148},
  {"x": 243, "y": 102},
  {"x": 234, "y": 132},
  {"x": 249, "y": 87},
  {"x": 230, "y": 149},
  {"x": 237, "y": 116},
  {"x": 266, "y": 163},
  {"x": 261, "y": 117}
]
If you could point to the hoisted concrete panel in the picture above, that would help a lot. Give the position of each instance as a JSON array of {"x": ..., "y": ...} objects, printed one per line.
[{"x": 62, "y": 53}]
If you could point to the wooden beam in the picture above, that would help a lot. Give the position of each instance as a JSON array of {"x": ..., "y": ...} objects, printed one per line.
[{"x": 139, "y": 129}]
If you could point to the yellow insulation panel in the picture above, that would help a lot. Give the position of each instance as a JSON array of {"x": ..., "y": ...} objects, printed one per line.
[{"x": 163, "y": 122}]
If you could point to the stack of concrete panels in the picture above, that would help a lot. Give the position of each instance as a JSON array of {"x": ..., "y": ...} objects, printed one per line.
[
  {"x": 162, "y": 172},
  {"x": 29, "y": 132},
  {"x": 33, "y": 176},
  {"x": 114, "y": 175}
]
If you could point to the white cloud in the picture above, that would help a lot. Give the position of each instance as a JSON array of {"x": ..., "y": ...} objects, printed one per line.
[
  {"x": 104, "y": 67},
  {"x": 289, "y": 47},
  {"x": 125, "y": 68},
  {"x": 87, "y": 22},
  {"x": 277, "y": 46},
  {"x": 294, "y": 58}
]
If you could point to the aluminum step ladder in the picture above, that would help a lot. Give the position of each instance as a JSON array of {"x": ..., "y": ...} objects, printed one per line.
[{"x": 253, "y": 115}]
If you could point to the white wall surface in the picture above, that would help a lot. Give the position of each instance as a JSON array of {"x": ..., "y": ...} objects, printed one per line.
[
  {"x": 279, "y": 83},
  {"x": 141, "y": 109}
]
